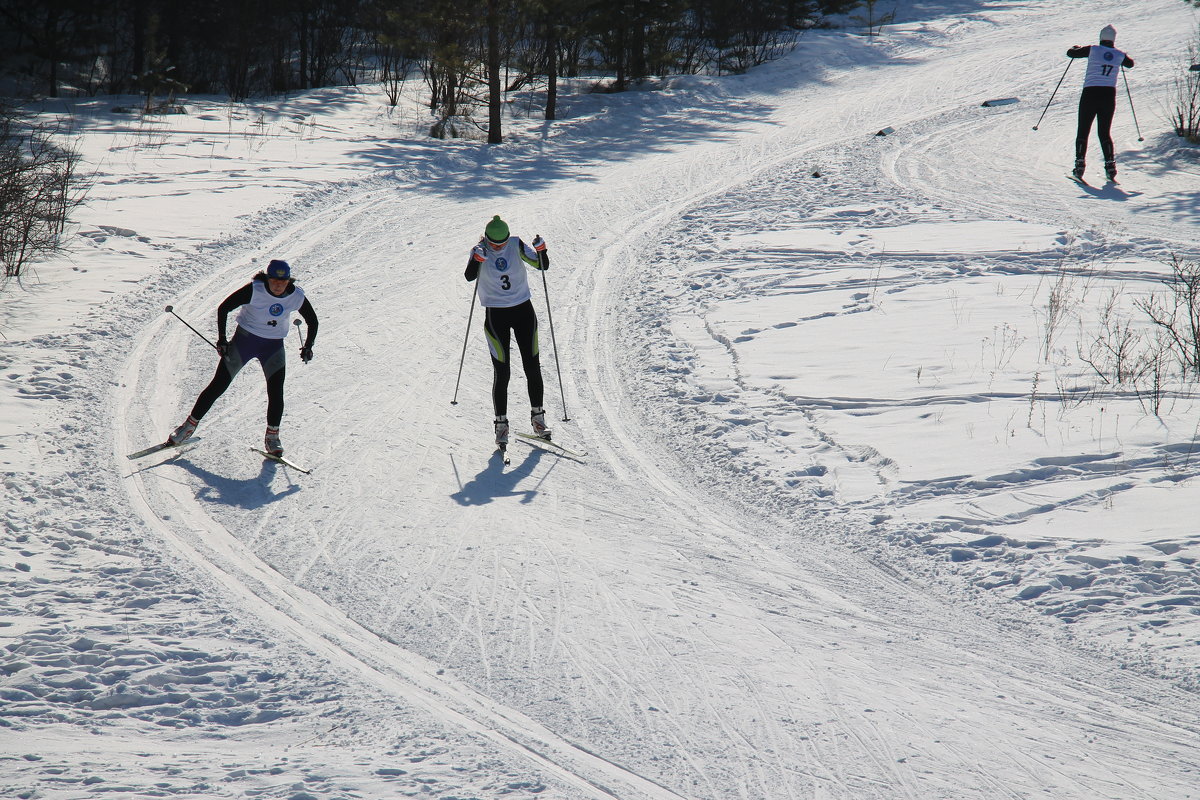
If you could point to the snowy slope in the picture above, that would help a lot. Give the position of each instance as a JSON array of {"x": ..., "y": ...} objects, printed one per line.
[{"x": 798, "y": 558}]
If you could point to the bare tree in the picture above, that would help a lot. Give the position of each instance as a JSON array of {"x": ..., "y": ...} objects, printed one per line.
[
  {"x": 1151, "y": 381},
  {"x": 873, "y": 21},
  {"x": 1178, "y": 315},
  {"x": 495, "y": 134},
  {"x": 1185, "y": 114},
  {"x": 38, "y": 191},
  {"x": 1113, "y": 351}
]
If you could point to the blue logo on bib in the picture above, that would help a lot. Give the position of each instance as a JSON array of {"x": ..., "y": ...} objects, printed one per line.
[
  {"x": 276, "y": 309},
  {"x": 1108, "y": 56},
  {"x": 502, "y": 264}
]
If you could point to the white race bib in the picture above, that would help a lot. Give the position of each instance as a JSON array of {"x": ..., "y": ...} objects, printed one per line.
[{"x": 268, "y": 316}]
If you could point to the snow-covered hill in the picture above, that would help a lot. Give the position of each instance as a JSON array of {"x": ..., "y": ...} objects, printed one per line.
[{"x": 856, "y": 519}]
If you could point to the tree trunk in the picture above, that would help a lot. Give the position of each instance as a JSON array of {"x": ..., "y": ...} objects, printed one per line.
[
  {"x": 139, "y": 37},
  {"x": 551, "y": 71},
  {"x": 495, "y": 135}
]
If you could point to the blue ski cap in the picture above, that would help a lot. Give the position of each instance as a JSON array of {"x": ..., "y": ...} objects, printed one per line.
[{"x": 279, "y": 270}]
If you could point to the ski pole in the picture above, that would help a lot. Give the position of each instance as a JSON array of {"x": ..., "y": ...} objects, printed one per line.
[
  {"x": 1131, "y": 108},
  {"x": 171, "y": 310},
  {"x": 1070, "y": 61},
  {"x": 296, "y": 322},
  {"x": 554, "y": 342},
  {"x": 466, "y": 336}
]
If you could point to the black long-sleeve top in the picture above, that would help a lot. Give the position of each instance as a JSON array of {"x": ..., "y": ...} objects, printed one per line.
[
  {"x": 243, "y": 295},
  {"x": 1085, "y": 51}
]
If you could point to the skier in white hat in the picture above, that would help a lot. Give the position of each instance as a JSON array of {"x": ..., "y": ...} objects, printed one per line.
[{"x": 1099, "y": 98}]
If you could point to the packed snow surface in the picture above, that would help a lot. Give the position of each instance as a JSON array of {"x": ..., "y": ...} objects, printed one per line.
[{"x": 858, "y": 512}]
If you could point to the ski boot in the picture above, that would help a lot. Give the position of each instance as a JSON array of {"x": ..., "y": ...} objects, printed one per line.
[
  {"x": 1078, "y": 171},
  {"x": 271, "y": 442},
  {"x": 184, "y": 431},
  {"x": 537, "y": 417},
  {"x": 502, "y": 432},
  {"x": 1110, "y": 171}
]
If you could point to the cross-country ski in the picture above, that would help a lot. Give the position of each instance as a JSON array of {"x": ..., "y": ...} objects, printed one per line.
[
  {"x": 549, "y": 444},
  {"x": 279, "y": 459},
  {"x": 154, "y": 448},
  {"x": 627, "y": 419}
]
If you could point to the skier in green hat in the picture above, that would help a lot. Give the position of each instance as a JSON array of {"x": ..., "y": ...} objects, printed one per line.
[{"x": 498, "y": 263}]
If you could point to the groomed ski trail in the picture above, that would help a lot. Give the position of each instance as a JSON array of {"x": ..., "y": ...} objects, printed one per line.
[
  {"x": 289, "y": 610},
  {"x": 682, "y": 641}
]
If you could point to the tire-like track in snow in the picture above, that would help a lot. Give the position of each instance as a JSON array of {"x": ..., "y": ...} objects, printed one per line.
[
  {"x": 284, "y": 607},
  {"x": 693, "y": 645}
]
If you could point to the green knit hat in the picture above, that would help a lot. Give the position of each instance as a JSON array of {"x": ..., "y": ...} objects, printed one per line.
[{"x": 496, "y": 230}]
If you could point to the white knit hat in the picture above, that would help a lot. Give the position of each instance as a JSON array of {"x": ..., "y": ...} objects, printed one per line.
[{"x": 1108, "y": 34}]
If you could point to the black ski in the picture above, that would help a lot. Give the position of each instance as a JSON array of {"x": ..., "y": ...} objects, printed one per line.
[
  {"x": 281, "y": 460},
  {"x": 154, "y": 448},
  {"x": 1080, "y": 181}
]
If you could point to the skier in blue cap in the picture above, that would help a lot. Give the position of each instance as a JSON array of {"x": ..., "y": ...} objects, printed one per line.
[{"x": 266, "y": 304}]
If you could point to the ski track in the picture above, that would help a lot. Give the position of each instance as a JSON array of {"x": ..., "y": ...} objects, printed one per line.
[
  {"x": 645, "y": 624},
  {"x": 283, "y": 604}
]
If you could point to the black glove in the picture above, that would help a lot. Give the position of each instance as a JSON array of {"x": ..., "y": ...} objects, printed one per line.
[
  {"x": 306, "y": 354},
  {"x": 222, "y": 347}
]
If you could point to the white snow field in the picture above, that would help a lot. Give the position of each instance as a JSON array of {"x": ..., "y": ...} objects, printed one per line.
[{"x": 856, "y": 518}]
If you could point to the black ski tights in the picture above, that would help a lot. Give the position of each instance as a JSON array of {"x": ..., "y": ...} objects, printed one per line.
[
  {"x": 500, "y": 325},
  {"x": 1098, "y": 103},
  {"x": 226, "y": 370}
]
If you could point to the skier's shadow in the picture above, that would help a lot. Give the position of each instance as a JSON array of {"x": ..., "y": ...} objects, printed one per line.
[
  {"x": 1109, "y": 191},
  {"x": 247, "y": 493},
  {"x": 495, "y": 481}
]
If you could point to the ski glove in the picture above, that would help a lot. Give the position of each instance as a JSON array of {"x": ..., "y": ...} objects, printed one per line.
[
  {"x": 539, "y": 244},
  {"x": 306, "y": 354},
  {"x": 222, "y": 347}
]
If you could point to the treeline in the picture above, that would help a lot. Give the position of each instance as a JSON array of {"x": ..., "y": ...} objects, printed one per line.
[{"x": 242, "y": 48}]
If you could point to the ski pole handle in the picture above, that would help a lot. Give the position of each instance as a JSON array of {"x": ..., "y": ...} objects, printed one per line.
[{"x": 171, "y": 310}]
